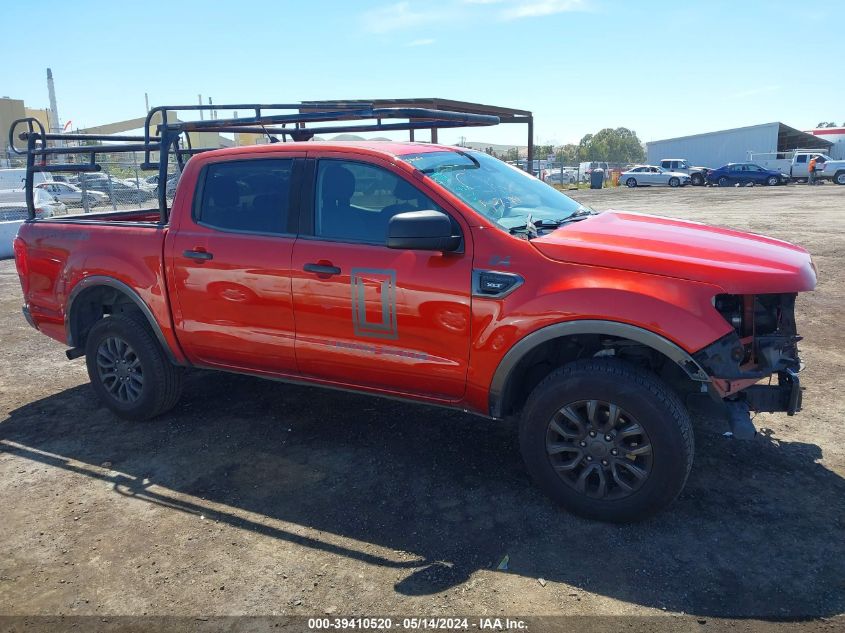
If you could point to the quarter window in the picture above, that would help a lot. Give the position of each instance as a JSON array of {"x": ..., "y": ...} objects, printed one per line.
[
  {"x": 247, "y": 195},
  {"x": 355, "y": 201}
]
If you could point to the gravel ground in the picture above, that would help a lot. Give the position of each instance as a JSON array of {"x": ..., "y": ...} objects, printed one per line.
[{"x": 259, "y": 498}]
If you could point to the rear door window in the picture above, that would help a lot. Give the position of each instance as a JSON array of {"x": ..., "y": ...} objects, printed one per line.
[{"x": 249, "y": 196}]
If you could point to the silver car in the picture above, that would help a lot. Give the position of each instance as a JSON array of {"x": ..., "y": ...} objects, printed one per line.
[
  {"x": 46, "y": 206},
  {"x": 71, "y": 194},
  {"x": 649, "y": 175}
]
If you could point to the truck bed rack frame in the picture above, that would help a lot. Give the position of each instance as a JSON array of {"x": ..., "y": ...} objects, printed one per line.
[{"x": 165, "y": 134}]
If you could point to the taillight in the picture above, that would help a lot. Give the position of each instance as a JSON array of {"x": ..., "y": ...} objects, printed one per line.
[{"x": 20, "y": 257}]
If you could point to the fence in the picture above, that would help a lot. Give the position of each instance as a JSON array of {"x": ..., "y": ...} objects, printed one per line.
[{"x": 120, "y": 185}]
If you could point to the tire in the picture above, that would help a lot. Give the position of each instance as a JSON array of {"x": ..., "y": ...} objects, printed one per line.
[
  {"x": 723, "y": 181},
  {"x": 697, "y": 180},
  {"x": 772, "y": 181},
  {"x": 644, "y": 402},
  {"x": 674, "y": 182},
  {"x": 839, "y": 177},
  {"x": 125, "y": 345},
  {"x": 631, "y": 182}
]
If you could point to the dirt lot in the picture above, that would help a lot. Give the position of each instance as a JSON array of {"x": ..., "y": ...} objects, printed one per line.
[{"x": 255, "y": 497}]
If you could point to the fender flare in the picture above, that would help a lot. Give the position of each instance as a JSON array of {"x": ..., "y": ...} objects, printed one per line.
[
  {"x": 110, "y": 282},
  {"x": 504, "y": 371}
]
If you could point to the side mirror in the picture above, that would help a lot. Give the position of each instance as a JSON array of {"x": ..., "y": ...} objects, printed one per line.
[{"x": 423, "y": 231}]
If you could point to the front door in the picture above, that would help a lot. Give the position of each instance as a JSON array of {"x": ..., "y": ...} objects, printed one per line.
[
  {"x": 395, "y": 321},
  {"x": 230, "y": 267}
]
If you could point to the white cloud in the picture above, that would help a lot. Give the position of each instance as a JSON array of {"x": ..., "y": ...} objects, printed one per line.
[
  {"x": 394, "y": 17},
  {"x": 426, "y": 41},
  {"x": 533, "y": 9},
  {"x": 753, "y": 92}
]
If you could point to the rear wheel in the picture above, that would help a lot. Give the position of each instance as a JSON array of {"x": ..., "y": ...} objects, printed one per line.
[
  {"x": 128, "y": 369},
  {"x": 607, "y": 440},
  {"x": 674, "y": 182},
  {"x": 772, "y": 181},
  {"x": 631, "y": 182},
  {"x": 839, "y": 178}
]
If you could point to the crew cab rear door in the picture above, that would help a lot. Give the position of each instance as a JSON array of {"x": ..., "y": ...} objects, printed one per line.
[
  {"x": 367, "y": 316},
  {"x": 229, "y": 255}
]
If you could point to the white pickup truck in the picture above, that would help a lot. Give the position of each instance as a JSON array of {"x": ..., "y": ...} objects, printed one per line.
[
  {"x": 796, "y": 166},
  {"x": 826, "y": 168}
]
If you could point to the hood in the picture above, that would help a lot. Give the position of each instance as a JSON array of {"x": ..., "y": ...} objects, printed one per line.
[{"x": 739, "y": 263}]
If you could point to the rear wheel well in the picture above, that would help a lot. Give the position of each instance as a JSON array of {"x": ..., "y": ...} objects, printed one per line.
[
  {"x": 94, "y": 304},
  {"x": 552, "y": 354}
]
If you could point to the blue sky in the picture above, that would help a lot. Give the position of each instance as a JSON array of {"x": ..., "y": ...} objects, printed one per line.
[{"x": 663, "y": 69}]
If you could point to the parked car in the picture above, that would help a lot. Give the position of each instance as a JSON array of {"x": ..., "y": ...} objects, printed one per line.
[
  {"x": 140, "y": 183},
  {"x": 119, "y": 192},
  {"x": 744, "y": 174},
  {"x": 697, "y": 175},
  {"x": 650, "y": 175},
  {"x": 442, "y": 285},
  {"x": 46, "y": 206},
  {"x": 567, "y": 176},
  {"x": 172, "y": 179},
  {"x": 72, "y": 195}
]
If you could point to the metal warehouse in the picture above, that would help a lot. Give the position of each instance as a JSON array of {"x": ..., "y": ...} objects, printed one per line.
[{"x": 715, "y": 149}]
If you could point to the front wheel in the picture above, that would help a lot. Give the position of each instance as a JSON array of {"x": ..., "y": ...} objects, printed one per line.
[
  {"x": 772, "y": 181},
  {"x": 674, "y": 182},
  {"x": 697, "y": 180},
  {"x": 631, "y": 182},
  {"x": 607, "y": 440},
  {"x": 723, "y": 181},
  {"x": 839, "y": 178},
  {"x": 128, "y": 369}
]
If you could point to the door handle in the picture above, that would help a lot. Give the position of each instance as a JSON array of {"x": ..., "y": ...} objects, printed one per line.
[
  {"x": 200, "y": 255},
  {"x": 321, "y": 269}
]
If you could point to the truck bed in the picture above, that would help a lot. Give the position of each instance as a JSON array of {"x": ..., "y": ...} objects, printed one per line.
[{"x": 53, "y": 255}]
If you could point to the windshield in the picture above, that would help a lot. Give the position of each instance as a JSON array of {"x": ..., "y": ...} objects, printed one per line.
[{"x": 504, "y": 194}]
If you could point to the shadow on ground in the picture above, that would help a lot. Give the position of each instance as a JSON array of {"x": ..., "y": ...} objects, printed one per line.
[{"x": 757, "y": 532}]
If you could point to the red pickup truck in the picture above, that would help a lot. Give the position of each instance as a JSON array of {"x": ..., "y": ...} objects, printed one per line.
[{"x": 438, "y": 275}]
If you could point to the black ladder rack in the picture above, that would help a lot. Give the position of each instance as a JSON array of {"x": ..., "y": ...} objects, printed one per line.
[{"x": 165, "y": 134}]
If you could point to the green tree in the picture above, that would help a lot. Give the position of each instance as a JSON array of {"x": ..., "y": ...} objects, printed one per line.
[
  {"x": 568, "y": 152},
  {"x": 512, "y": 154},
  {"x": 542, "y": 151},
  {"x": 619, "y": 145}
]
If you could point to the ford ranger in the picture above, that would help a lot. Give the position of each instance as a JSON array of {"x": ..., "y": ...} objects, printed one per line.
[{"x": 437, "y": 275}]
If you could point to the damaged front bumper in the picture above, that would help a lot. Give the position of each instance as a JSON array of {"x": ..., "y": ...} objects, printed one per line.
[{"x": 764, "y": 344}]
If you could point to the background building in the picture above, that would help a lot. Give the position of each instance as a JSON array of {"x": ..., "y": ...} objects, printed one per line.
[
  {"x": 835, "y": 135},
  {"x": 714, "y": 149}
]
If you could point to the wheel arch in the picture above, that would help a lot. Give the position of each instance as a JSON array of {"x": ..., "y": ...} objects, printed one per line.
[
  {"x": 504, "y": 392},
  {"x": 86, "y": 304}
]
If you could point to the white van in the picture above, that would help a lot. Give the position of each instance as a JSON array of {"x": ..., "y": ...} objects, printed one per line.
[
  {"x": 587, "y": 167},
  {"x": 15, "y": 178}
]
